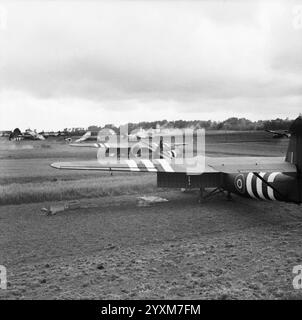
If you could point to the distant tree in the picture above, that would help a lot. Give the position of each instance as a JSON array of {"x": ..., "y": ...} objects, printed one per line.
[
  {"x": 17, "y": 132},
  {"x": 112, "y": 127},
  {"x": 232, "y": 123},
  {"x": 94, "y": 128}
]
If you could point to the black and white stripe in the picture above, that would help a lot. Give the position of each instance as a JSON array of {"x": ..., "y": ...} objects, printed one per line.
[
  {"x": 158, "y": 165},
  {"x": 257, "y": 189}
]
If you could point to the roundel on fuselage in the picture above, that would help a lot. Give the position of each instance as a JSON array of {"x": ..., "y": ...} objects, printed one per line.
[{"x": 239, "y": 183}]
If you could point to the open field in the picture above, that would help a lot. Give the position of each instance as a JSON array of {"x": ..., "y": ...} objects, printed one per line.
[
  {"x": 26, "y": 175},
  {"x": 180, "y": 249}
]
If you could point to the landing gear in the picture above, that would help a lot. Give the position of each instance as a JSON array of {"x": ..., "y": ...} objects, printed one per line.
[
  {"x": 203, "y": 196},
  {"x": 229, "y": 196},
  {"x": 201, "y": 192}
]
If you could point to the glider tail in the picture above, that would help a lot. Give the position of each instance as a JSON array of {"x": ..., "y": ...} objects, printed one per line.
[{"x": 294, "y": 151}]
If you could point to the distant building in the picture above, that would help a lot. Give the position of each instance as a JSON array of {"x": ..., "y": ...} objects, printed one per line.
[
  {"x": 5, "y": 133},
  {"x": 78, "y": 129},
  {"x": 138, "y": 131}
]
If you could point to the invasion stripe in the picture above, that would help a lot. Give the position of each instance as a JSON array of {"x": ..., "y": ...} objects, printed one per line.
[
  {"x": 166, "y": 166},
  {"x": 132, "y": 165},
  {"x": 264, "y": 189},
  {"x": 105, "y": 145},
  {"x": 249, "y": 185},
  {"x": 259, "y": 185},
  {"x": 271, "y": 179},
  {"x": 149, "y": 165},
  {"x": 101, "y": 145}
]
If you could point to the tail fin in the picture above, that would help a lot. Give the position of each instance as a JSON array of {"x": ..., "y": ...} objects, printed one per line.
[
  {"x": 84, "y": 137},
  {"x": 294, "y": 152}
]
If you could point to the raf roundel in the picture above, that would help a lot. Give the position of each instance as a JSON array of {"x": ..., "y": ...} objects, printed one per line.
[{"x": 239, "y": 183}]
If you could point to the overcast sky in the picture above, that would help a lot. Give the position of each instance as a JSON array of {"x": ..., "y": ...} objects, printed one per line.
[{"x": 67, "y": 64}]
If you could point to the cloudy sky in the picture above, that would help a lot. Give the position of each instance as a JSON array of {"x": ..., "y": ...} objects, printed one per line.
[{"x": 78, "y": 63}]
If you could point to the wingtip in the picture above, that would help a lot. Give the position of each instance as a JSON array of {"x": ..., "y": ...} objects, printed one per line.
[
  {"x": 55, "y": 165},
  {"x": 85, "y": 145}
]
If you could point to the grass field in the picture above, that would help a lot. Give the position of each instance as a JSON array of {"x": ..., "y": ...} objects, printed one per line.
[
  {"x": 26, "y": 175},
  {"x": 17, "y": 193},
  {"x": 180, "y": 249}
]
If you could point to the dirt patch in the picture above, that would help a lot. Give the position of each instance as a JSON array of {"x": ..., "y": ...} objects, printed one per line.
[{"x": 181, "y": 249}]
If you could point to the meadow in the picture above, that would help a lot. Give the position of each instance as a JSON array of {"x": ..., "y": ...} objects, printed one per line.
[
  {"x": 26, "y": 175},
  {"x": 180, "y": 249}
]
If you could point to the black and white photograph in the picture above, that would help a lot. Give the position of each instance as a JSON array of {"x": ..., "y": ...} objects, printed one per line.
[{"x": 150, "y": 151}]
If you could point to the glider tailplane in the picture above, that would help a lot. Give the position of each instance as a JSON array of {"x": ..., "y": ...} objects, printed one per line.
[{"x": 294, "y": 151}]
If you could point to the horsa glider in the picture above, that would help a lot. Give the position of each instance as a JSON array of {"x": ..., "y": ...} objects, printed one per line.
[
  {"x": 279, "y": 134},
  {"x": 17, "y": 135},
  {"x": 267, "y": 178},
  {"x": 130, "y": 149}
]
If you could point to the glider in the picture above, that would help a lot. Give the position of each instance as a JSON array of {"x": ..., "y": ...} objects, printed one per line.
[{"x": 263, "y": 178}]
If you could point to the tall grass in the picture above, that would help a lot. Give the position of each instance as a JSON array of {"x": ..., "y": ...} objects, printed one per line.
[{"x": 68, "y": 190}]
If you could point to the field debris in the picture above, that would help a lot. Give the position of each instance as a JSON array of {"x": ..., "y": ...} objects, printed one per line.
[
  {"x": 150, "y": 200},
  {"x": 187, "y": 190},
  {"x": 69, "y": 205}
]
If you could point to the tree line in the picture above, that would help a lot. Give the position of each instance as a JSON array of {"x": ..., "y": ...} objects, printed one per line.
[{"x": 234, "y": 124}]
